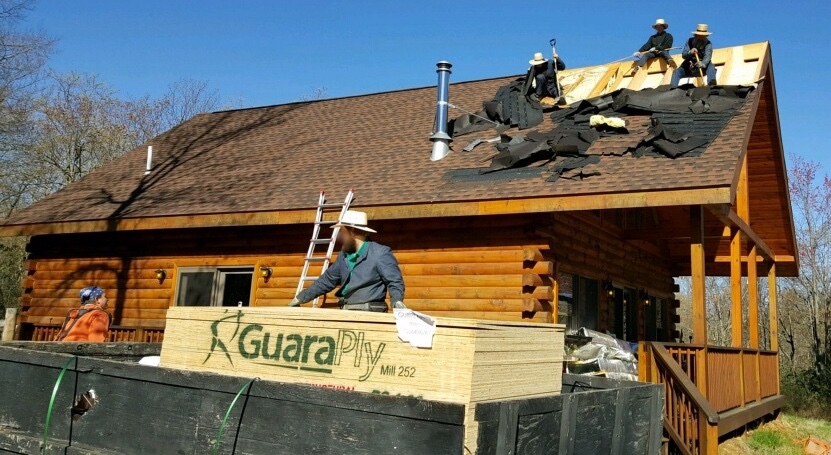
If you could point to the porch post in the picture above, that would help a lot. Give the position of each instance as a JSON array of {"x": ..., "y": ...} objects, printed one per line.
[
  {"x": 753, "y": 298},
  {"x": 699, "y": 299},
  {"x": 555, "y": 282},
  {"x": 736, "y": 325},
  {"x": 753, "y": 316},
  {"x": 772, "y": 311},
  {"x": 774, "y": 317},
  {"x": 699, "y": 304}
]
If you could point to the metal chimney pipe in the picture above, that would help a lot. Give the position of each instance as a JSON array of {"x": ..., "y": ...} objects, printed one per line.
[
  {"x": 441, "y": 140},
  {"x": 149, "y": 166}
]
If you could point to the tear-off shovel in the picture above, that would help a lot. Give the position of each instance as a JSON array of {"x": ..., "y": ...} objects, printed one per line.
[{"x": 561, "y": 101}]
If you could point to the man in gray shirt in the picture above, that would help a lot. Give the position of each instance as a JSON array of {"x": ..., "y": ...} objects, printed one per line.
[
  {"x": 658, "y": 45},
  {"x": 364, "y": 270},
  {"x": 698, "y": 58}
]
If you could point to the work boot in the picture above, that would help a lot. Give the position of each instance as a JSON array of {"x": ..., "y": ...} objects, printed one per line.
[
  {"x": 712, "y": 82},
  {"x": 672, "y": 64}
]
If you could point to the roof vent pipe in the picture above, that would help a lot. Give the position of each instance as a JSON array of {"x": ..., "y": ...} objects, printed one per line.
[
  {"x": 149, "y": 166},
  {"x": 440, "y": 138}
]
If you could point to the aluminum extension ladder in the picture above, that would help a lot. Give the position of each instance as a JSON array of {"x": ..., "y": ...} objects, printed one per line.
[{"x": 322, "y": 208}]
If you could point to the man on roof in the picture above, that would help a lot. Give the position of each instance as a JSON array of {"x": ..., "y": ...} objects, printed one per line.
[
  {"x": 365, "y": 271},
  {"x": 698, "y": 55},
  {"x": 658, "y": 45},
  {"x": 541, "y": 80},
  {"x": 90, "y": 322}
]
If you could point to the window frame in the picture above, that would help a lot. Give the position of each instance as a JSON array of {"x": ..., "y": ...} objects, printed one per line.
[{"x": 217, "y": 283}]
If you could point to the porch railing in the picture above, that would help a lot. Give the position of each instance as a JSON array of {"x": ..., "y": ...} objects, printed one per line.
[
  {"x": 116, "y": 334},
  {"x": 706, "y": 381},
  {"x": 689, "y": 419}
]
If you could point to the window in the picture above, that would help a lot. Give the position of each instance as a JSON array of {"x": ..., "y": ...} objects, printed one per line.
[
  {"x": 651, "y": 319},
  {"x": 211, "y": 286},
  {"x": 630, "y": 311},
  {"x": 577, "y": 303}
]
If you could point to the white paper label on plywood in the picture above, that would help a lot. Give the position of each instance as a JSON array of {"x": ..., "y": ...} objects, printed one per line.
[{"x": 415, "y": 328}]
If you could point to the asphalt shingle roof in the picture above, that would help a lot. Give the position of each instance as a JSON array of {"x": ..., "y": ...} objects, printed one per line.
[{"x": 279, "y": 157}]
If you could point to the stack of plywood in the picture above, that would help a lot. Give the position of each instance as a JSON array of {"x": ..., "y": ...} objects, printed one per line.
[{"x": 470, "y": 361}]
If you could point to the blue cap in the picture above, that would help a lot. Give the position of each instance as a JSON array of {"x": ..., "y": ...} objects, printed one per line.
[{"x": 91, "y": 294}]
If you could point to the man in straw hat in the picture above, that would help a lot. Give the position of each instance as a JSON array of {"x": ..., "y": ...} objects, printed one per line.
[
  {"x": 541, "y": 80},
  {"x": 364, "y": 270},
  {"x": 657, "y": 45},
  {"x": 698, "y": 55}
]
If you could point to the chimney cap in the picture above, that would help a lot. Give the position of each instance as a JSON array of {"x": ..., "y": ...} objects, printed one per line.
[{"x": 443, "y": 65}]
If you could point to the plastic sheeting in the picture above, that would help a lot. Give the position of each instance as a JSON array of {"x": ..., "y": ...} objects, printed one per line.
[{"x": 603, "y": 355}]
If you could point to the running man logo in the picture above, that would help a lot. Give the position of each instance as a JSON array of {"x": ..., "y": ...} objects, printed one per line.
[
  {"x": 216, "y": 342},
  {"x": 319, "y": 353}
]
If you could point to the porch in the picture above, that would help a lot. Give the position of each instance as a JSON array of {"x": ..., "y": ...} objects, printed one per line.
[{"x": 710, "y": 391}]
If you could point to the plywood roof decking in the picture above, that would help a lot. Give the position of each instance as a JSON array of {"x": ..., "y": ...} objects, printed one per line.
[{"x": 266, "y": 165}]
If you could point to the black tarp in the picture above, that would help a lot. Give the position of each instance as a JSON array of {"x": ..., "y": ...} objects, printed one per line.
[
  {"x": 508, "y": 107},
  {"x": 683, "y": 122}
]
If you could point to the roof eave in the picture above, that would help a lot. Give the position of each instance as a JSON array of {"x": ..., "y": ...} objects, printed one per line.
[{"x": 677, "y": 197}]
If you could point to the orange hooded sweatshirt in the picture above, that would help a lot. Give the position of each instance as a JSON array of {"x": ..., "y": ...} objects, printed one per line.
[{"x": 94, "y": 325}]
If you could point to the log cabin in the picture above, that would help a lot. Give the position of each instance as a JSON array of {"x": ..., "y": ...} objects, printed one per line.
[{"x": 221, "y": 214}]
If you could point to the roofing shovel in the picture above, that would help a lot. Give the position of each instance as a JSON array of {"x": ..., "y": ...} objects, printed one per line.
[
  {"x": 561, "y": 101},
  {"x": 700, "y": 78}
]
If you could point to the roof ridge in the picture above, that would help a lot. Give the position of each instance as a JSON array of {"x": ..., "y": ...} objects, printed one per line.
[{"x": 346, "y": 97}]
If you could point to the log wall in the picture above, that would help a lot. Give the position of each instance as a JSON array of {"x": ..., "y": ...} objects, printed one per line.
[
  {"x": 585, "y": 244},
  {"x": 473, "y": 267}
]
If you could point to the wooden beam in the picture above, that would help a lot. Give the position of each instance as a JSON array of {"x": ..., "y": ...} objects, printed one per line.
[
  {"x": 772, "y": 308},
  {"x": 731, "y": 218},
  {"x": 682, "y": 197},
  {"x": 699, "y": 303},
  {"x": 753, "y": 298},
  {"x": 555, "y": 290},
  {"x": 760, "y": 244},
  {"x": 736, "y": 287},
  {"x": 743, "y": 191}
]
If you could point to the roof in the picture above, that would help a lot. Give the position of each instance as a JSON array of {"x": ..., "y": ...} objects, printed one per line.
[{"x": 266, "y": 165}]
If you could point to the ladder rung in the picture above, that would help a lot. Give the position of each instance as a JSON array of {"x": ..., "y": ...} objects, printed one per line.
[
  {"x": 310, "y": 278},
  {"x": 316, "y": 259},
  {"x": 321, "y": 241},
  {"x": 326, "y": 222},
  {"x": 334, "y": 204}
]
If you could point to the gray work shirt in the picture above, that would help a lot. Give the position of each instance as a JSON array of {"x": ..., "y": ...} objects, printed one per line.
[{"x": 376, "y": 272}]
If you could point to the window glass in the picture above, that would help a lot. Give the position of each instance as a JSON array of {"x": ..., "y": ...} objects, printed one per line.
[
  {"x": 195, "y": 288},
  {"x": 211, "y": 286}
]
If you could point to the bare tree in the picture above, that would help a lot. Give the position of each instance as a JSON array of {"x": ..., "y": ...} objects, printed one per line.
[
  {"x": 184, "y": 99},
  {"x": 811, "y": 199},
  {"x": 22, "y": 57}
]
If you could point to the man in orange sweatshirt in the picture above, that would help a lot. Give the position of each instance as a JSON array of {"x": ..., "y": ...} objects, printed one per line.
[{"x": 91, "y": 322}]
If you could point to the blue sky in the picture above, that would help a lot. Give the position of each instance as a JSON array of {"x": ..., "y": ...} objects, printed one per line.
[{"x": 261, "y": 52}]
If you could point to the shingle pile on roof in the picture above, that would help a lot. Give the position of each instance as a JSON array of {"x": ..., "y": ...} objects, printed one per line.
[{"x": 664, "y": 122}]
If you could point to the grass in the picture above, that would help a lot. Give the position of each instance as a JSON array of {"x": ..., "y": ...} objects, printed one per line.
[{"x": 783, "y": 436}]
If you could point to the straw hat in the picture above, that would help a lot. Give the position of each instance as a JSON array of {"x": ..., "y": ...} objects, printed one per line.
[
  {"x": 660, "y": 22},
  {"x": 355, "y": 219},
  {"x": 702, "y": 30},
  {"x": 538, "y": 59}
]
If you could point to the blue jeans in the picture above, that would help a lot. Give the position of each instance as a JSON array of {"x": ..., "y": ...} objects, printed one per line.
[
  {"x": 683, "y": 72},
  {"x": 650, "y": 55}
]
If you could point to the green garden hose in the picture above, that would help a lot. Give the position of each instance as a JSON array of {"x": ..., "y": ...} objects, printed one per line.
[
  {"x": 247, "y": 387},
  {"x": 52, "y": 403}
]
